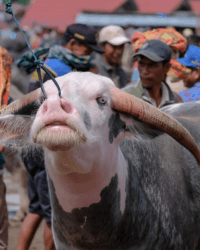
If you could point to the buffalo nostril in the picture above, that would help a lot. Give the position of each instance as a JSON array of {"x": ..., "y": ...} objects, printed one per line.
[{"x": 66, "y": 106}]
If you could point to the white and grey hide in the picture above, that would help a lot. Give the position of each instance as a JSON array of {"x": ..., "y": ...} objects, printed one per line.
[{"x": 116, "y": 182}]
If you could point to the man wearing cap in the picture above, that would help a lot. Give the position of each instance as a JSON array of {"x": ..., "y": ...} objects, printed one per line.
[
  {"x": 112, "y": 39},
  {"x": 79, "y": 42},
  {"x": 192, "y": 80},
  {"x": 153, "y": 64}
]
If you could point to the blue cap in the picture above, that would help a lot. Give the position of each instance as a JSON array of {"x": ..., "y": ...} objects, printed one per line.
[{"x": 191, "y": 58}]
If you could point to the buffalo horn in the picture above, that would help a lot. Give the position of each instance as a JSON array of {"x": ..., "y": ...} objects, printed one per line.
[{"x": 124, "y": 102}]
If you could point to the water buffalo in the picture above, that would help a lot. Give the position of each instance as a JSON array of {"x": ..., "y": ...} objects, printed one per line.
[{"x": 122, "y": 174}]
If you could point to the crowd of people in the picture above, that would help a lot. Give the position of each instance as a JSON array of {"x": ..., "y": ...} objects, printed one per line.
[{"x": 160, "y": 58}]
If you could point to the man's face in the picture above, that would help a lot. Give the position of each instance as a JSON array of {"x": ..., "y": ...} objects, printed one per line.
[
  {"x": 113, "y": 54},
  {"x": 192, "y": 77},
  {"x": 151, "y": 73},
  {"x": 79, "y": 49},
  {"x": 82, "y": 50}
]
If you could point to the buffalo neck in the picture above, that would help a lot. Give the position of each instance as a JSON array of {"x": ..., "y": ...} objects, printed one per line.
[{"x": 76, "y": 189}]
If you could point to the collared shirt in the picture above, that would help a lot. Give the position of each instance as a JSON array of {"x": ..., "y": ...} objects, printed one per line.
[
  {"x": 192, "y": 94},
  {"x": 165, "y": 96},
  {"x": 168, "y": 97},
  {"x": 116, "y": 74}
]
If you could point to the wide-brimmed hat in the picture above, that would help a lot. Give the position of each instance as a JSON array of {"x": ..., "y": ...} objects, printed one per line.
[
  {"x": 191, "y": 58},
  {"x": 85, "y": 34},
  {"x": 113, "y": 34}
]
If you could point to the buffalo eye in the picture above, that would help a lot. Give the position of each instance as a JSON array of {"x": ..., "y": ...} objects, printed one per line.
[{"x": 101, "y": 101}]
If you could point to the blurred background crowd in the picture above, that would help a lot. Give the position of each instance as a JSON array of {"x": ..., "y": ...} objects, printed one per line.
[
  {"x": 43, "y": 27},
  {"x": 45, "y": 22}
]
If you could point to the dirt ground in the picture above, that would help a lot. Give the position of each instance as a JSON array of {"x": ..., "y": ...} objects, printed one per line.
[{"x": 14, "y": 228}]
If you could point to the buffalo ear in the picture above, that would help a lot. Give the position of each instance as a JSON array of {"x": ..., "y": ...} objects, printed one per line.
[
  {"x": 131, "y": 127},
  {"x": 142, "y": 130},
  {"x": 15, "y": 130},
  {"x": 16, "y": 120},
  {"x": 116, "y": 125},
  {"x": 138, "y": 129}
]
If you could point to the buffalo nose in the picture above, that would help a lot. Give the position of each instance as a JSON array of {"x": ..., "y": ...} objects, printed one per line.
[{"x": 57, "y": 107}]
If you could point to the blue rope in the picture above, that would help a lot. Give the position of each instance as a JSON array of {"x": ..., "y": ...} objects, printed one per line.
[{"x": 38, "y": 62}]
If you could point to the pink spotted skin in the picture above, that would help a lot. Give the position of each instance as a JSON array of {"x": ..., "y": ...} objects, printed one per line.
[{"x": 77, "y": 175}]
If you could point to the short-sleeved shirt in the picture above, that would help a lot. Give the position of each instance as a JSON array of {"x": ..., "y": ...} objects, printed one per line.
[
  {"x": 192, "y": 94},
  {"x": 116, "y": 74}
]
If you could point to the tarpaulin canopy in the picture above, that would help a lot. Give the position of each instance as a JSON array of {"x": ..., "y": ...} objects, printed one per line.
[{"x": 99, "y": 19}]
